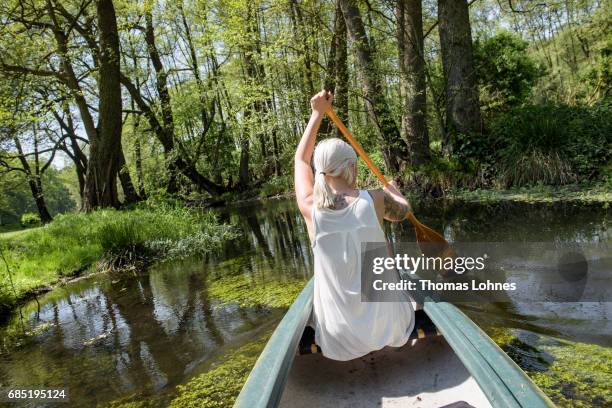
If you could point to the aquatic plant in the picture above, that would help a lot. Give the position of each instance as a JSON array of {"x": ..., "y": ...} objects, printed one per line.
[
  {"x": 135, "y": 401},
  {"x": 219, "y": 387},
  {"x": 585, "y": 193},
  {"x": 572, "y": 374},
  {"x": 250, "y": 292}
]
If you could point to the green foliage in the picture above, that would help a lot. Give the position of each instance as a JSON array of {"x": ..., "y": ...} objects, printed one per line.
[
  {"x": 73, "y": 243},
  {"x": 29, "y": 220},
  {"x": 572, "y": 374},
  {"x": 598, "y": 76},
  {"x": 442, "y": 175},
  {"x": 276, "y": 186},
  {"x": 16, "y": 197},
  {"x": 577, "y": 56},
  {"x": 554, "y": 142},
  {"x": 505, "y": 71},
  {"x": 249, "y": 292},
  {"x": 365, "y": 177},
  {"x": 219, "y": 387}
]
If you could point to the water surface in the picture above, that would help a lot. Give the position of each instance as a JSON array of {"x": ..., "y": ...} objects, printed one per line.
[{"x": 142, "y": 333}]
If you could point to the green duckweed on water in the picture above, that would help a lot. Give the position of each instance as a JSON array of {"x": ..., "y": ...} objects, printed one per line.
[
  {"x": 219, "y": 387},
  {"x": 590, "y": 194},
  {"x": 229, "y": 283},
  {"x": 256, "y": 292},
  {"x": 17, "y": 335},
  {"x": 572, "y": 374},
  {"x": 135, "y": 401}
]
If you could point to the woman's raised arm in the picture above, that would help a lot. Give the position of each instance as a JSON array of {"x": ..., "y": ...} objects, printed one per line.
[{"x": 303, "y": 176}]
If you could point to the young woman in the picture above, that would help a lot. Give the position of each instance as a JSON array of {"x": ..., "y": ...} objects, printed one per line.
[{"x": 339, "y": 218}]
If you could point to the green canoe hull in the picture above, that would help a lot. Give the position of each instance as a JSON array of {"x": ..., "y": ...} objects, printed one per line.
[{"x": 502, "y": 382}]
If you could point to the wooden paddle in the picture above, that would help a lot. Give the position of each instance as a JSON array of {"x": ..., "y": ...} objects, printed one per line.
[{"x": 430, "y": 242}]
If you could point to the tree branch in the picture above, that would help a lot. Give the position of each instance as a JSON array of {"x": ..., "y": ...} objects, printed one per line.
[{"x": 31, "y": 71}]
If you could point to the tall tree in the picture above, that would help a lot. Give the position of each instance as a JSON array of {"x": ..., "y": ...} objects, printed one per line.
[
  {"x": 24, "y": 147},
  {"x": 393, "y": 147},
  {"x": 30, "y": 165},
  {"x": 462, "y": 102},
  {"x": 337, "y": 75},
  {"x": 258, "y": 110},
  {"x": 178, "y": 160},
  {"x": 72, "y": 31},
  {"x": 409, "y": 16},
  {"x": 105, "y": 145}
]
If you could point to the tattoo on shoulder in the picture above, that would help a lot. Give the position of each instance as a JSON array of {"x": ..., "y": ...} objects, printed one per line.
[
  {"x": 394, "y": 211},
  {"x": 340, "y": 201}
]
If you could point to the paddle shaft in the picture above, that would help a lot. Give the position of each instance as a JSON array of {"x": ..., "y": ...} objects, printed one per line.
[{"x": 357, "y": 146}]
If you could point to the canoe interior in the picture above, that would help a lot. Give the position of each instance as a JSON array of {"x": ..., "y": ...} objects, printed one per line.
[{"x": 424, "y": 374}]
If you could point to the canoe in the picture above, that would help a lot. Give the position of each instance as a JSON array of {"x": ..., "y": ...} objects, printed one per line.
[{"x": 462, "y": 367}]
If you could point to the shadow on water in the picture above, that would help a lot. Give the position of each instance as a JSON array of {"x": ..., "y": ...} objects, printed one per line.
[{"x": 142, "y": 333}]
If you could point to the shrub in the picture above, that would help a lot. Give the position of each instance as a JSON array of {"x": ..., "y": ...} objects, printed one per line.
[
  {"x": 442, "y": 175},
  {"x": 506, "y": 72},
  {"x": 152, "y": 230},
  {"x": 276, "y": 185},
  {"x": 29, "y": 220},
  {"x": 552, "y": 144},
  {"x": 535, "y": 167}
]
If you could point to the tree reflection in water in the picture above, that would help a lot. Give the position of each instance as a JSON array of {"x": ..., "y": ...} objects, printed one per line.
[{"x": 106, "y": 337}]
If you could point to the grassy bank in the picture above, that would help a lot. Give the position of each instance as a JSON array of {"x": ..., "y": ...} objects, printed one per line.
[{"x": 74, "y": 244}]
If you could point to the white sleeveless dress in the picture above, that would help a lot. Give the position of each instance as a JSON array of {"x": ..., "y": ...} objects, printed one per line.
[{"x": 345, "y": 327}]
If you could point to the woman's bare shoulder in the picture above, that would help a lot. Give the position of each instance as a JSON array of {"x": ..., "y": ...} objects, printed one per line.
[{"x": 377, "y": 194}]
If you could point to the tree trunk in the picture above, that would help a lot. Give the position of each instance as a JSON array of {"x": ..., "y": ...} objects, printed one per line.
[
  {"x": 161, "y": 84},
  {"x": 72, "y": 149},
  {"x": 207, "y": 109},
  {"x": 462, "y": 102},
  {"x": 105, "y": 148},
  {"x": 301, "y": 37},
  {"x": 80, "y": 159},
  {"x": 256, "y": 76},
  {"x": 393, "y": 147},
  {"x": 412, "y": 80},
  {"x": 336, "y": 79},
  {"x": 341, "y": 100},
  {"x": 34, "y": 180},
  {"x": 129, "y": 191},
  {"x": 138, "y": 155},
  {"x": 243, "y": 175},
  {"x": 39, "y": 198}
]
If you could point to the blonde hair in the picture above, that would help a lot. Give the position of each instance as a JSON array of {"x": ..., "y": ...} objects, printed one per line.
[{"x": 332, "y": 157}]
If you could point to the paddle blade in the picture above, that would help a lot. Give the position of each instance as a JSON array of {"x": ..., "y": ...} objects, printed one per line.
[{"x": 431, "y": 243}]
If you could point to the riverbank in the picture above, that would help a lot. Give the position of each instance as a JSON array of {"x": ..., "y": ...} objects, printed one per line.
[
  {"x": 37, "y": 260},
  {"x": 585, "y": 193},
  {"x": 76, "y": 245}
]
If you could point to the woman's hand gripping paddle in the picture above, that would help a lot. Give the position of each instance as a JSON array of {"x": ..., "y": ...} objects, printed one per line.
[{"x": 431, "y": 243}]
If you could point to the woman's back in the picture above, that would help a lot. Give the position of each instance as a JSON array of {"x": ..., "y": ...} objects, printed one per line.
[{"x": 346, "y": 327}]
